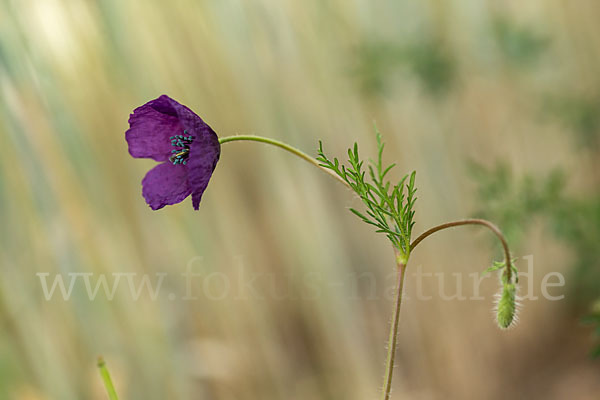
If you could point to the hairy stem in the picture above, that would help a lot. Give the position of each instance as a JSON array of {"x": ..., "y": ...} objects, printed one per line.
[
  {"x": 283, "y": 146},
  {"x": 393, "y": 339},
  {"x": 110, "y": 389},
  {"x": 472, "y": 221}
]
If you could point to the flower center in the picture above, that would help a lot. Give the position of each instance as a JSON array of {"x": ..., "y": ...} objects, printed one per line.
[{"x": 182, "y": 148}]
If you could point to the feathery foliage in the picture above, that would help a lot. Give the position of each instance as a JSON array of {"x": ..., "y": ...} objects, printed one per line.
[{"x": 390, "y": 208}]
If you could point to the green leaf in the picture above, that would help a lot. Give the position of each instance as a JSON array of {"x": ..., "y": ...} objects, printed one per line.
[{"x": 495, "y": 267}]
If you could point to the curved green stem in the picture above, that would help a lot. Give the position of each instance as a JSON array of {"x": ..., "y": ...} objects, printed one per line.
[
  {"x": 283, "y": 146},
  {"x": 471, "y": 221},
  {"x": 393, "y": 339}
]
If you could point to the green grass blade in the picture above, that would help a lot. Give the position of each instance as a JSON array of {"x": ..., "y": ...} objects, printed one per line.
[{"x": 110, "y": 389}]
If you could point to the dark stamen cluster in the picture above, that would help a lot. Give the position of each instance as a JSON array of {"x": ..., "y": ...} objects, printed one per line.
[{"x": 182, "y": 148}]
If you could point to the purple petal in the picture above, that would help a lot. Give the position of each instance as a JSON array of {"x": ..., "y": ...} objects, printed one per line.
[
  {"x": 189, "y": 120},
  {"x": 165, "y": 184},
  {"x": 204, "y": 154},
  {"x": 150, "y": 129}
]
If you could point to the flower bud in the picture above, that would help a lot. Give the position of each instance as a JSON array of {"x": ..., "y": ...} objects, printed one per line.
[{"x": 507, "y": 307}]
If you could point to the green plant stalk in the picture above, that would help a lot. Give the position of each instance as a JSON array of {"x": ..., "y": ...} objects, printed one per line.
[
  {"x": 110, "y": 389},
  {"x": 393, "y": 339},
  {"x": 284, "y": 146}
]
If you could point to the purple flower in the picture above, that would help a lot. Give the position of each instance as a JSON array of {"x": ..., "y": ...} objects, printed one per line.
[{"x": 186, "y": 146}]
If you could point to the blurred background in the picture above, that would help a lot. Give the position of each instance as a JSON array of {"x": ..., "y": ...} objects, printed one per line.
[{"x": 496, "y": 105}]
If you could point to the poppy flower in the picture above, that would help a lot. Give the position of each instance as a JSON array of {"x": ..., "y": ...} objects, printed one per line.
[{"x": 186, "y": 146}]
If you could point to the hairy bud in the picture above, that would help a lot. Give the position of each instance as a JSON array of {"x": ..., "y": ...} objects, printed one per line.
[{"x": 507, "y": 307}]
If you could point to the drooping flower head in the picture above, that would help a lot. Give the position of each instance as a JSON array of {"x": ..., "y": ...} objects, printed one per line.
[{"x": 186, "y": 146}]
